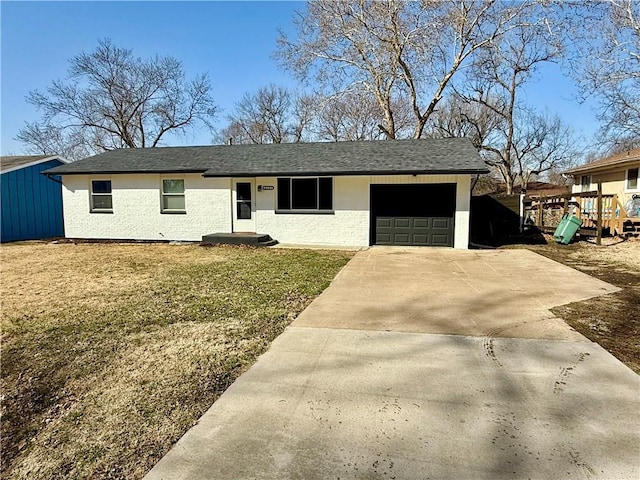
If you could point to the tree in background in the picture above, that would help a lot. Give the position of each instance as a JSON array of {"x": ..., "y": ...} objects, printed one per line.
[
  {"x": 272, "y": 114},
  {"x": 606, "y": 65},
  {"x": 43, "y": 138},
  {"x": 517, "y": 142},
  {"x": 349, "y": 116},
  {"x": 113, "y": 99},
  {"x": 394, "y": 50}
]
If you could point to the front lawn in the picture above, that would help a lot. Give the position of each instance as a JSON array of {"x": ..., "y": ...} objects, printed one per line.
[{"x": 110, "y": 352}]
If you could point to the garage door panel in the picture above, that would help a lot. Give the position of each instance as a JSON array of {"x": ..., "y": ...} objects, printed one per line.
[
  {"x": 420, "y": 223},
  {"x": 420, "y": 239},
  {"x": 444, "y": 223},
  {"x": 440, "y": 240},
  {"x": 415, "y": 214},
  {"x": 401, "y": 239},
  {"x": 383, "y": 239},
  {"x": 382, "y": 222}
]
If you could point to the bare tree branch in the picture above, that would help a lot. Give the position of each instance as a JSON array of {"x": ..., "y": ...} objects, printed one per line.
[
  {"x": 395, "y": 49},
  {"x": 112, "y": 99}
]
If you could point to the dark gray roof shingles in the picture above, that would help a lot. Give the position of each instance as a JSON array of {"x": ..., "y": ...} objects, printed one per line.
[{"x": 339, "y": 158}]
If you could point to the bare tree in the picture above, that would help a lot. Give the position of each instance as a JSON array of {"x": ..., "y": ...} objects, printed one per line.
[
  {"x": 607, "y": 65},
  {"x": 46, "y": 139},
  {"x": 544, "y": 144},
  {"x": 458, "y": 117},
  {"x": 303, "y": 116},
  {"x": 272, "y": 114},
  {"x": 112, "y": 99},
  {"x": 517, "y": 142},
  {"x": 347, "y": 117},
  {"x": 394, "y": 49}
]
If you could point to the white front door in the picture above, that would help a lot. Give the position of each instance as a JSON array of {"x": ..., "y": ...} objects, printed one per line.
[{"x": 244, "y": 205}]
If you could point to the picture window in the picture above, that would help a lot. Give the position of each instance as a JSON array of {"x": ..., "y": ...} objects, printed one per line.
[{"x": 305, "y": 194}]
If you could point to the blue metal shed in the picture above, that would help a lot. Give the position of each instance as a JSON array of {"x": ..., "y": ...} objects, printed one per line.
[{"x": 31, "y": 202}]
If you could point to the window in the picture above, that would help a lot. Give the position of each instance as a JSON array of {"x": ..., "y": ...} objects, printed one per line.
[
  {"x": 101, "y": 201},
  {"x": 305, "y": 194},
  {"x": 173, "y": 196},
  {"x": 585, "y": 183},
  {"x": 632, "y": 179}
]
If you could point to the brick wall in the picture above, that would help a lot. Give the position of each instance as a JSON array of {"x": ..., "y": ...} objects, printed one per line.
[{"x": 136, "y": 210}]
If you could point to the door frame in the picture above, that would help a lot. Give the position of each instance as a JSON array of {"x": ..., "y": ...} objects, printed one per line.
[{"x": 243, "y": 225}]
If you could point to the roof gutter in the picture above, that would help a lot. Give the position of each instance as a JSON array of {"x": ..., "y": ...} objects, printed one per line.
[
  {"x": 343, "y": 173},
  {"x": 51, "y": 176},
  {"x": 119, "y": 172}
]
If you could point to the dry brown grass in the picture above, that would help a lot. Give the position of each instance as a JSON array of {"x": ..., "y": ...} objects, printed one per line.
[
  {"x": 613, "y": 320},
  {"x": 110, "y": 352}
]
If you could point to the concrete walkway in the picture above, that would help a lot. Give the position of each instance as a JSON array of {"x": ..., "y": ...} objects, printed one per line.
[{"x": 514, "y": 394}]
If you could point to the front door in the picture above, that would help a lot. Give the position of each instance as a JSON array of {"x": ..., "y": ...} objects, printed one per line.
[{"x": 244, "y": 208}]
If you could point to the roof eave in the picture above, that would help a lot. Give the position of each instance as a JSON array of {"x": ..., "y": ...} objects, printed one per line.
[
  {"x": 343, "y": 173},
  {"x": 601, "y": 168},
  {"x": 120, "y": 172}
]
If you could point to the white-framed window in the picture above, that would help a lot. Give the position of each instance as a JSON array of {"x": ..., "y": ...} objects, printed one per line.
[
  {"x": 305, "y": 194},
  {"x": 173, "y": 195},
  {"x": 101, "y": 200},
  {"x": 585, "y": 183},
  {"x": 632, "y": 179}
]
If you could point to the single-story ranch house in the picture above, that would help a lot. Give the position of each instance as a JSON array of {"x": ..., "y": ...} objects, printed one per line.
[
  {"x": 403, "y": 192},
  {"x": 618, "y": 175}
]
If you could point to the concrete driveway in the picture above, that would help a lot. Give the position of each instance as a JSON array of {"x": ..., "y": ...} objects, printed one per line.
[{"x": 427, "y": 363}]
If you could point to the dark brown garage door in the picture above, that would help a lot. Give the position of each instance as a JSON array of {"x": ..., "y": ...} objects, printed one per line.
[{"x": 413, "y": 214}]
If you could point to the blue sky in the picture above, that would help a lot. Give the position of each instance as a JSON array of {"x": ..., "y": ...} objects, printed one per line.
[{"x": 232, "y": 41}]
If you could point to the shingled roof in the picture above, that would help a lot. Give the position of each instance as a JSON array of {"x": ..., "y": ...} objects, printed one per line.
[
  {"x": 427, "y": 156},
  {"x": 617, "y": 160}
]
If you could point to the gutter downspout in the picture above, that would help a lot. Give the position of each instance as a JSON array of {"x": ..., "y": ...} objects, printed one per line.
[{"x": 50, "y": 177}]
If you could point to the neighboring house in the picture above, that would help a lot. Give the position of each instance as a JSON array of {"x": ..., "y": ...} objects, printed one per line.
[
  {"x": 543, "y": 189},
  {"x": 492, "y": 186},
  {"x": 31, "y": 203},
  {"x": 619, "y": 176},
  {"x": 405, "y": 192}
]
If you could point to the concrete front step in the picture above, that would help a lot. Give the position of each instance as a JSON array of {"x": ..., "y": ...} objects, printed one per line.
[{"x": 239, "y": 238}]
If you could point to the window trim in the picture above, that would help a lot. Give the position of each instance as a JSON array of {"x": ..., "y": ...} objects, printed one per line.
[
  {"x": 317, "y": 211},
  {"x": 163, "y": 194},
  {"x": 92, "y": 194},
  {"x": 627, "y": 188}
]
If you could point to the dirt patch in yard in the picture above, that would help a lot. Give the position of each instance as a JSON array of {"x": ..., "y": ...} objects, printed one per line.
[
  {"x": 612, "y": 320},
  {"x": 111, "y": 352}
]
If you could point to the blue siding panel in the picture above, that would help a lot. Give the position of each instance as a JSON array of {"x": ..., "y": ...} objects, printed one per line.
[{"x": 31, "y": 204}]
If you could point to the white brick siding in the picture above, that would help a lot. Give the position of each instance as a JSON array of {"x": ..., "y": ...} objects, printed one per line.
[{"x": 136, "y": 210}]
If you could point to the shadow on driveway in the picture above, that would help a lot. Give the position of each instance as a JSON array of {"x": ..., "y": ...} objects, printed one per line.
[{"x": 362, "y": 403}]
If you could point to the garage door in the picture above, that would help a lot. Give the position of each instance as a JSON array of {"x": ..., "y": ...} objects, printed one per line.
[{"x": 413, "y": 214}]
